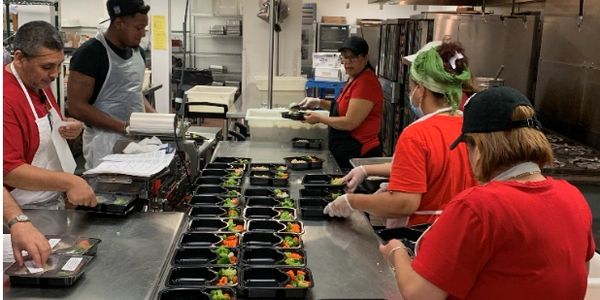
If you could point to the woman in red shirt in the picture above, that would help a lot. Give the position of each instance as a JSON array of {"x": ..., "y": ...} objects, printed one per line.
[
  {"x": 518, "y": 236},
  {"x": 355, "y": 117}
]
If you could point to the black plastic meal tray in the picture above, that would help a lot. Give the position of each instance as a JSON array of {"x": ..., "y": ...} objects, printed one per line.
[
  {"x": 200, "y": 257},
  {"x": 306, "y": 162},
  {"x": 212, "y": 225},
  {"x": 195, "y": 277},
  {"x": 208, "y": 189},
  {"x": 325, "y": 194},
  {"x": 267, "y": 178},
  {"x": 204, "y": 239},
  {"x": 307, "y": 143},
  {"x": 220, "y": 173},
  {"x": 192, "y": 293},
  {"x": 266, "y": 192},
  {"x": 267, "y": 256},
  {"x": 234, "y": 160},
  {"x": 298, "y": 116},
  {"x": 268, "y": 239},
  {"x": 372, "y": 185},
  {"x": 270, "y": 282},
  {"x": 267, "y": 213},
  {"x": 318, "y": 181},
  {"x": 18, "y": 275},
  {"x": 218, "y": 181},
  {"x": 212, "y": 212},
  {"x": 70, "y": 245},
  {"x": 212, "y": 200},
  {"x": 261, "y": 202},
  {"x": 312, "y": 208},
  {"x": 268, "y": 167},
  {"x": 407, "y": 235},
  {"x": 272, "y": 226},
  {"x": 225, "y": 166}
]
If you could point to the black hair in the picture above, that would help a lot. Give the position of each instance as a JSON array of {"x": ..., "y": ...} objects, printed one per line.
[{"x": 36, "y": 34}]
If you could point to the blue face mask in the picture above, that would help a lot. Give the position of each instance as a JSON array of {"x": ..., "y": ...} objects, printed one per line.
[{"x": 418, "y": 111}]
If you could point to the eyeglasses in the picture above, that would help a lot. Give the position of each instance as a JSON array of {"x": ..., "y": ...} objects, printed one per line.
[{"x": 348, "y": 58}]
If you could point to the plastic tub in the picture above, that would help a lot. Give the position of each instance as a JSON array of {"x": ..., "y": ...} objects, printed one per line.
[{"x": 214, "y": 94}]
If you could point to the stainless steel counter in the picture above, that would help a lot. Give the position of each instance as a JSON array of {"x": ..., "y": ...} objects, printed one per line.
[
  {"x": 355, "y": 162},
  {"x": 343, "y": 255},
  {"x": 130, "y": 259}
]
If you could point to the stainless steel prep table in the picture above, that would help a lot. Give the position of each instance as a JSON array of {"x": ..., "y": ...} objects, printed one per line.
[
  {"x": 343, "y": 255},
  {"x": 130, "y": 259}
]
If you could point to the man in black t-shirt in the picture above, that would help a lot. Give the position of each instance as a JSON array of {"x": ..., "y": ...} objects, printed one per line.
[{"x": 106, "y": 78}]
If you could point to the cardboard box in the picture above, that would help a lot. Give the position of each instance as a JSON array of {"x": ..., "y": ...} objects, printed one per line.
[
  {"x": 326, "y": 60},
  {"x": 333, "y": 19},
  {"x": 329, "y": 74}
]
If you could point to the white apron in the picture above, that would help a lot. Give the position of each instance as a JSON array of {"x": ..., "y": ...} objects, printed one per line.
[
  {"x": 403, "y": 221},
  {"x": 120, "y": 95},
  {"x": 46, "y": 156}
]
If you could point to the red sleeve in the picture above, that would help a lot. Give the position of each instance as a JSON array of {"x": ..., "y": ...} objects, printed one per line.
[
  {"x": 367, "y": 89},
  {"x": 591, "y": 247},
  {"x": 14, "y": 144},
  {"x": 409, "y": 172},
  {"x": 441, "y": 256}
]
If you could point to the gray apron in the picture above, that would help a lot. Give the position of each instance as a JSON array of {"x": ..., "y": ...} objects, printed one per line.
[{"x": 120, "y": 95}]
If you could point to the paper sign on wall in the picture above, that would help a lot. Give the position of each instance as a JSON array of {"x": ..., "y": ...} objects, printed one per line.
[{"x": 159, "y": 33}]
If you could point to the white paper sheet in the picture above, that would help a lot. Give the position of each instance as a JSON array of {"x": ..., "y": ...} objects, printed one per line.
[{"x": 140, "y": 165}]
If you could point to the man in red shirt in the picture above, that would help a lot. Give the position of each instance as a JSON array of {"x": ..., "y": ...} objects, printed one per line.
[
  {"x": 518, "y": 236},
  {"x": 34, "y": 131}
]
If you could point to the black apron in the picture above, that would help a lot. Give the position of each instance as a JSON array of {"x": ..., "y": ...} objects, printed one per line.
[{"x": 341, "y": 143}]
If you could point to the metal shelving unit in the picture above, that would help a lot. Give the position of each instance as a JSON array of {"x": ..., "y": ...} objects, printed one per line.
[
  {"x": 54, "y": 15},
  {"x": 205, "y": 49}
]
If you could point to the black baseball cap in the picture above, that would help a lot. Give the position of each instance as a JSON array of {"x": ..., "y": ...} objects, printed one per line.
[
  {"x": 121, "y": 8},
  {"x": 492, "y": 110},
  {"x": 355, "y": 44}
]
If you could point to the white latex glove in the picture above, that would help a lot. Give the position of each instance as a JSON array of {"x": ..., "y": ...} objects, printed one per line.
[
  {"x": 310, "y": 102},
  {"x": 355, "y": 177},
  {"x": 382, "y": 188},
  {"x": 340, "y": 207}
]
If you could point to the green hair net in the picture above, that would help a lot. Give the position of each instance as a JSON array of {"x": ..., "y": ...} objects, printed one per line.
[{"x": 428, "y": 70}]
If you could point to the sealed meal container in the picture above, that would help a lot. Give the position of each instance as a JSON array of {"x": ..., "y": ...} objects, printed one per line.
[
  {"x": 112, "y": 204},
  {"x": 234, "y": 160},
  {"x": 72, "y": 245},
  {"x": 217, "y": 225},
  {"x": 304, "y": 143},
  {"x": 278, "y": 193},
  {"x": 271, "y": 239},
  {"x": 270, "y": 213},
  {"x": 59, "y": 271},
  {"x": 269, "y": 178},
  {"x": 325, "y": 194},
  {"x": 220, "y": 293},
  {"x": 276, "y": 282},
  {"x": 268, "y": 167},
  {"x": 231, "y": 173},
  {"x": 220, "y": 256},
  {"x": 307, "y": 162},
  {"x": 209, "y": 240},
  {"x": 214, "y": 212},
  {"x": 319, "y": 181},
  {"x": 216, "y": 190},
  {"x": 215, "y": 200},
  {"x": 266, "y": 256},
  {"x": 203, "y": 277}
]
